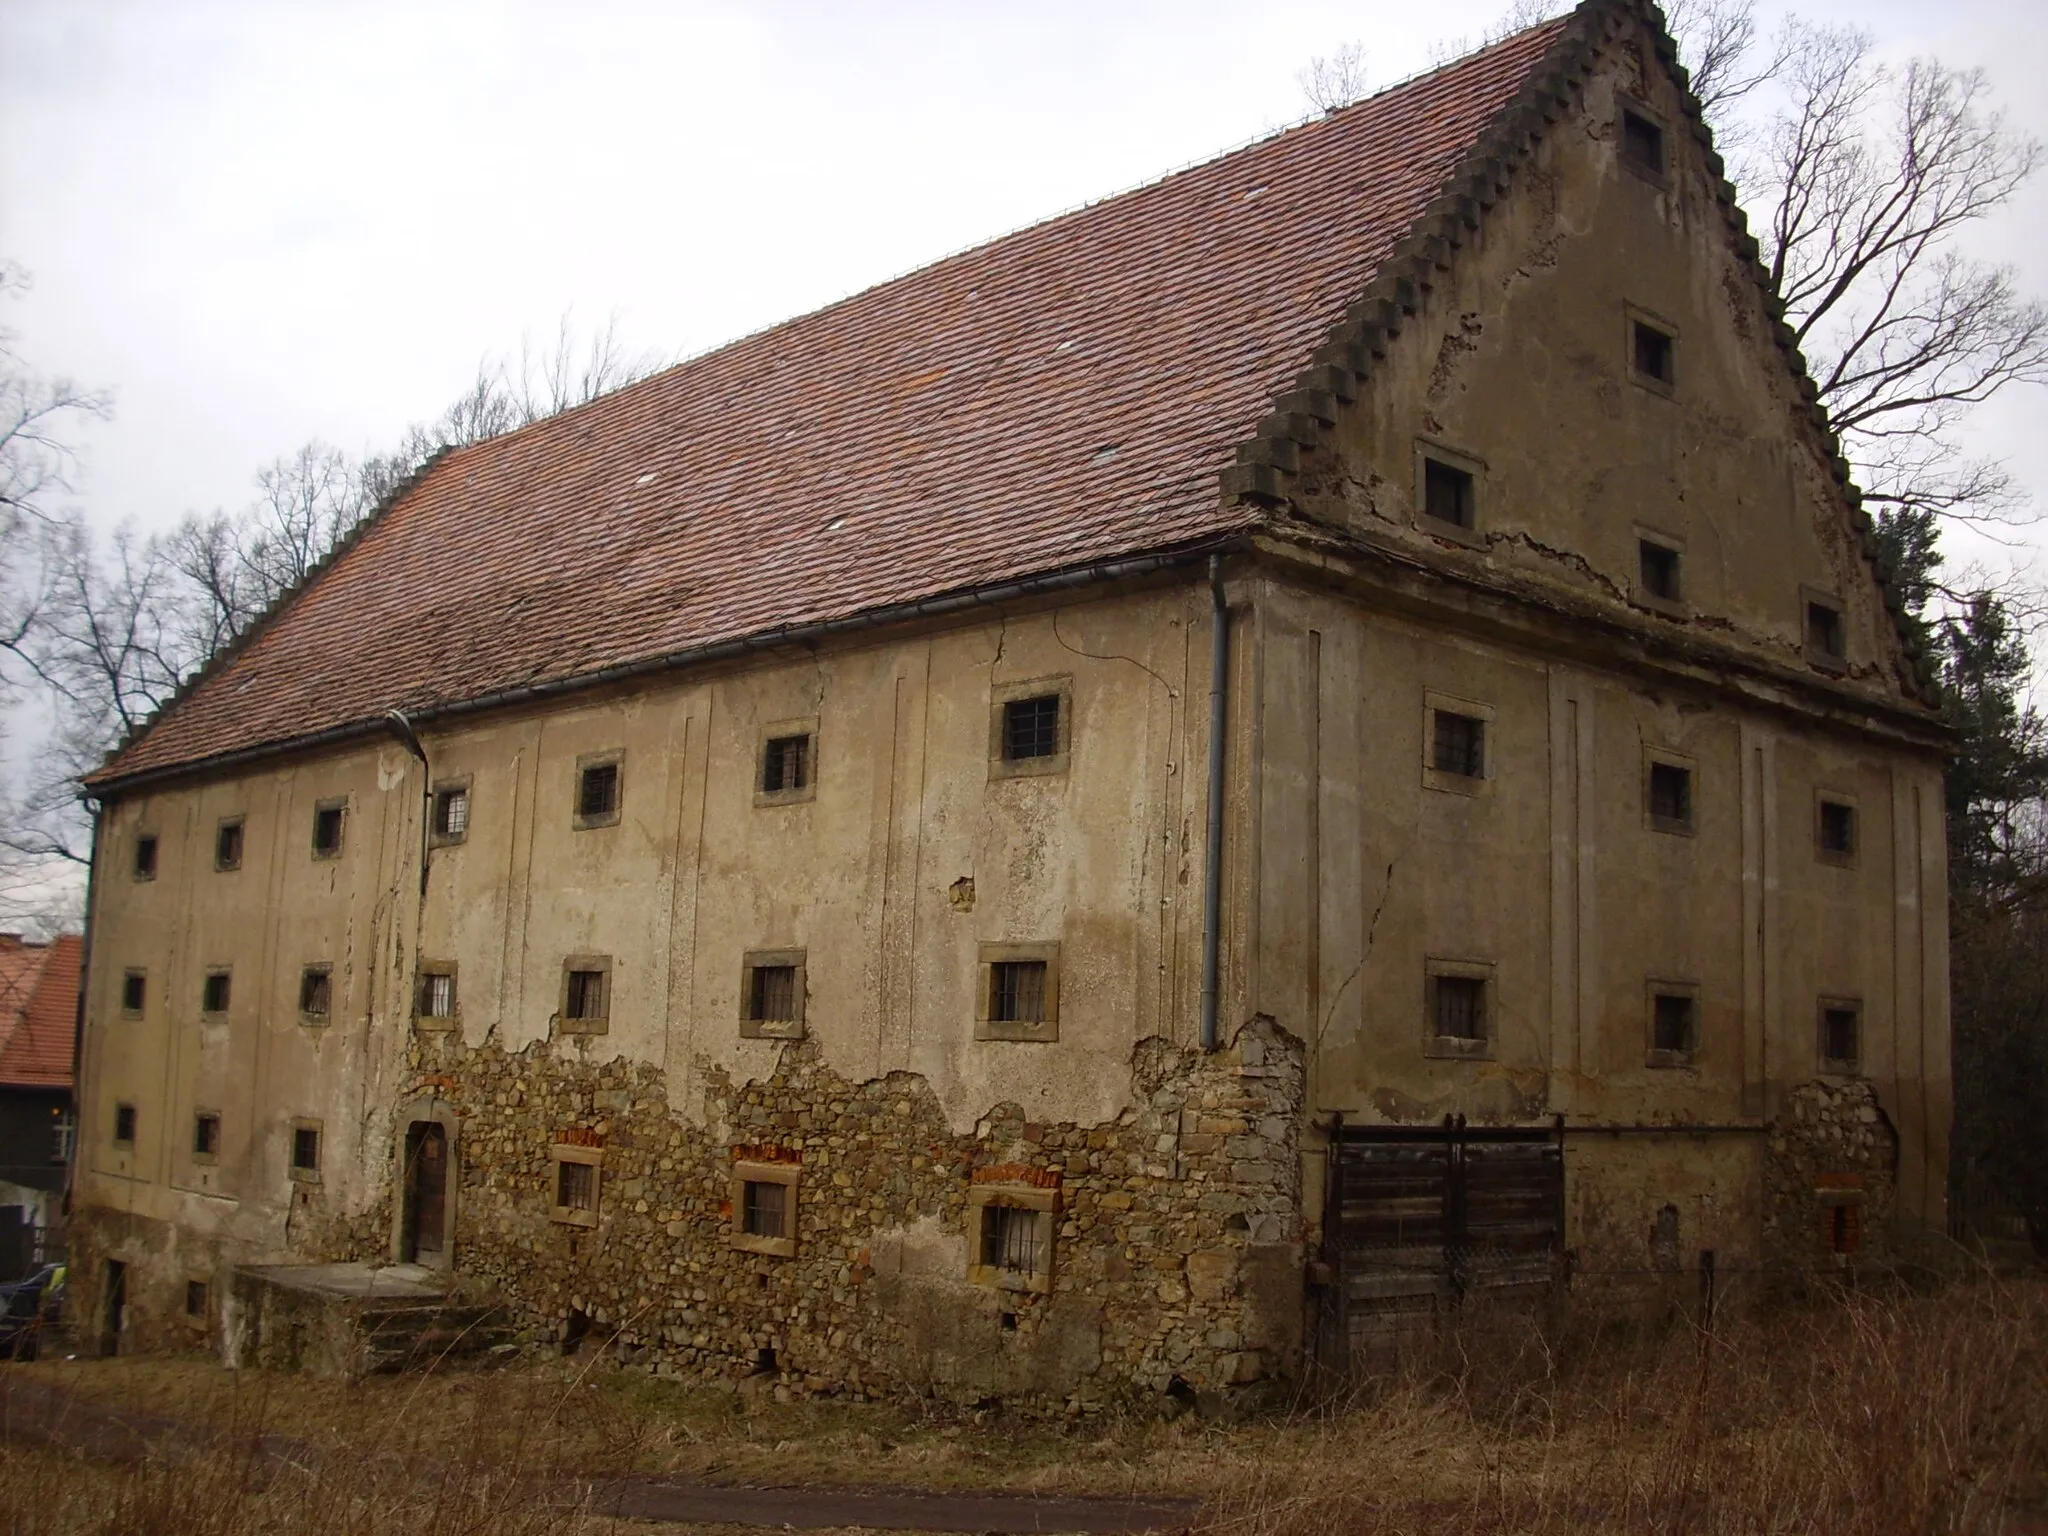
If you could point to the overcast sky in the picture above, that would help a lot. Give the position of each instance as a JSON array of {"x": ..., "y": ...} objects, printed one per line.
[{"x": 261, "y": 221}]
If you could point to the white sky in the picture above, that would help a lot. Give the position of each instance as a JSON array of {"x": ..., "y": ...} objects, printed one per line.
[{"x": 263, "y": 221}]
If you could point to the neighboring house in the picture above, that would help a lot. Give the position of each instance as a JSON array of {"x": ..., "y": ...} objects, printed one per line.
[
  {"x": 1158, "y": 797},
  {"x": 38, "y": 1028}
]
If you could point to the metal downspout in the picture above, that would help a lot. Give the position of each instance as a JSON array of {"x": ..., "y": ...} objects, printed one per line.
[
  {"x": 92, "y": 870},
  {"x": 1212, "y": 873}
]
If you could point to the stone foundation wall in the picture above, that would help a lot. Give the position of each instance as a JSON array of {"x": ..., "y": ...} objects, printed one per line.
[
  {"x": 1177, "y": 1247},
  {"x": 1833, "y": 1145}
]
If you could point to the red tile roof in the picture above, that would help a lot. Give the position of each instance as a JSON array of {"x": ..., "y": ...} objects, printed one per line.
[
  {"x": 1060, "y": 396},
  {"x": 38, "y": 1011}
]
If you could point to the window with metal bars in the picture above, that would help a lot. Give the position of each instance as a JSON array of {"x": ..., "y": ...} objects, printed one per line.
[
  {"x": 1011, "y": 1239},
  {"x": 764, "y": 1209},
  {"x": 785, "y": 764},
  {"x": 213, "y": 992},
  {"x": 1835, "y": 831},
  {"x": 1458, "y": 1007},
  {"x": 437, "y": 995},
  {"x": 451, "y": 813},
  {"x": 575, "y": 1186},
  {"x": 1457, "y": 744},
  {"x": 305, "y": 1149},
  {"x": 1447, "y": 493},
  {"x": 227, "y": 845},
  {"x": 1670, "y": 794},
  {"x": 1016, "y": 991},
  {"x": 585, "y": 995},
  {"x": 1672, "y": 1023},
  {"x": 598, "y": 791},
  {"x": 771, "y": 994},
  {"x": 1031, "y": 727},
  {"x": 316, "y": 991}
]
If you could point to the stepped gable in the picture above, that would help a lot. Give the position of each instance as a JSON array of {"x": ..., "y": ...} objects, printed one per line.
[{"x": 1064, "y": 395}]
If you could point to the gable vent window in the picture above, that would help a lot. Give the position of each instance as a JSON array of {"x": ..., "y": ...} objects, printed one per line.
[
  {"x": 1031, "y": 727},
  {"x": 451, "y": 813},
  {"x": 134, "y": 991},
  {"x": 1841, "y": 1035},
  {"x": 316, "y": 992},
  {"x": 213, "y": 992},
  {"x": 1447, "y": 493},
  {"x": 327, "y": 823},
  {"x": 1642, "y": 143},
  {"x": 1670, "y": 797},
  {"x": 1835, "y": 831},
  {"x": 597, "y": 793},
  {"x": 1458, "y": 744},
  {"x": 227, "y": 845},
  {"x": 786, "y": 764},
  {"x": 1657, "y": 568},
  {"x": 145, "y": 858},
  {"x": 1825, "y": 645},
  {"x": 206, "y": 1135},
  {"x": 124, "y": 1125},
  {"x": 1656, "y": 354}
]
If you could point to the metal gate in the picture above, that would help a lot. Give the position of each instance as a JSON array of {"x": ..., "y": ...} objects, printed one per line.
[{"x": 1418, "y": 1220}]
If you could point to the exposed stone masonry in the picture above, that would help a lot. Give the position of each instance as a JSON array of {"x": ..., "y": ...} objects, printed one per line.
[{"x": 1832, "y": 1143}]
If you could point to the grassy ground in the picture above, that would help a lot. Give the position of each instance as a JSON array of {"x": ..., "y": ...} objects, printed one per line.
[{"x": 1873, "y": 1414}]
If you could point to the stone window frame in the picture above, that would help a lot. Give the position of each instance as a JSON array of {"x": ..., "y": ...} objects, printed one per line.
[
  {"x": 1655, "y": 987},
  {"x": 1840, "y": 858},
  {"x": 226, "y": 976},
  {"x": 1655, "y": 757},
  {"x": 125, "y": 1118},
  {"x": 599, "y": 1025},
  {"x": 452, "y": 1019},
  {"x": 1044, "y": 1203},
  {"x": 305, "y": 1173},
  {"x": 238, "y": 825},
  {"x": 1457, "y": 1047},
  {"x": 1637, "y": 317},
  {"x": 805, "y": 726},
  {"x": 747, "y": 1171},
  {"x": 140, "y": 978},
  {"x": 1626, "y": 107},
  {"x": 1434, "y": 703},
  {"x": 136, "y": 867},
  {"x": 1638, "y": 593},
  {"x": 1001, "y": 695},
  {"x": 1466, "y": 463},
  {"x": 752, "y": 1028},
  {"x": 614, "y": 757},
  {"x": 201, "y": 1155},
  {"x": 1818, "y": 657},
  {"x": 306, "y": 973},
  {"x": 336, "y": 806},
  {"x": 1837, "y": 1066},
  {"x": 1045, "y": 1030},
  {"x": 461, "y": 785},
  {"x": 588, "y": 1157}
]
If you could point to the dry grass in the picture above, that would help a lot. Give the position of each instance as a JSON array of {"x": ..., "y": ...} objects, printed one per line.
[{"x": 1922, "y": 1414}]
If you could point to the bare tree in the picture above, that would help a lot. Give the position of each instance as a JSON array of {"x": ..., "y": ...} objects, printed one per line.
[{"x": 1336, "y": 80}]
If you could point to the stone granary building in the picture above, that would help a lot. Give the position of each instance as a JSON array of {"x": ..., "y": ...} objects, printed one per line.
[{"x": 1130, "y": 805}]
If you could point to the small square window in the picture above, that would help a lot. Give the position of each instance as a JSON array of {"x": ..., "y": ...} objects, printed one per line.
[
  {"x": 1642, "y": 143},
  {"x": 1031, "y": 727},
  {"x": 764, "y": 1199},
  {"x": 1658, "y": 571},
  {"x": 1825, "y": 643},
  {"x": 1835, "y": 831},
  {"x": 1458, "y": 744},
  {"x": 772, "y": 995},
  {"x": 437, "y": 995},
  {"x": 1019, "y": 992},
  {"x": 305, "y": 1151},
  {"x": 227, "y": 845},
  {"x": 586, "y": 995},
  {"x": 1016, "y": 992},
  {"x": 1448, "y": 493},
  {"x": 195, "y": 1299},
  {"x": 134, "y": 992},
  {"x": 1669, "y": 797},
  {"x": 213, "y": 992},
  {"x": 785, "y": 764},
  {"x": 1841, "y": 1035},
  {"x": 124, "y": 1125},
  {"x": 451, "y": 813},
  {"x": 1458, "y": 1007},
  {"x": 1457, "y": 1004},
  {"x": 575, "y": 1182},
  {"x": 1011, "y": 1236},
  {"x": 206, "y": 1135},
  {"x": 316, "y": 992},
  {"x": 597, "y": 792},
  {"x": 145, "y": 857},
  {"x": 1655, "y": 354},
  {"x": 327, "y": 824},
  {"x": 1674, "y": 1023}
]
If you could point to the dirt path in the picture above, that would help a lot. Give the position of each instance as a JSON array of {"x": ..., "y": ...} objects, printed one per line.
[{"x": 33, "y": 1412}]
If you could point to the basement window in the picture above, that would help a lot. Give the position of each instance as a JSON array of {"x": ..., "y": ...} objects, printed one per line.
[
  {"x": 134, "y": 991},
  {"x": 599, "y": 789},
  {"x": 1841, "y": 1035},
  {"x": 772, "y": 995},
  {"x": 1826, "y": 645},
  {"x": 1458, "y": 1003},
  {"x": 764, "y": 1207},
  {"x": 451, "y": 813},
  {"x": 1019, "y": 992},
  {"x": 576, "y": 1176},
  {"x": 214, "y": 991},
  {"x": 586, "y": 995},
  {"x": 436, "y": 995},
  {"x": 316, "y": 993},
  {"x": 306, "y": 1151},
  {"x": 1642, "y": 144},
  {"x": 227, "y": 844},
  {"x": 145, "y": 857},
  {"x": 1834, "y": 831},
  {"x": 1010, "y": 1232},
  {"x": 205, "y": 1136},
  {"x": 1674, "y": 1023},
  {"x": 1668, "y": 796},
  {"x": 124, "y": 1125},
  {"x": 327, "y": 825}
]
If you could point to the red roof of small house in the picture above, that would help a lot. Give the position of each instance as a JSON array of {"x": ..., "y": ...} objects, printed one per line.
[
  {"x": 38, "y": 1011},
  {"x": 1062, "y": 396}
]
